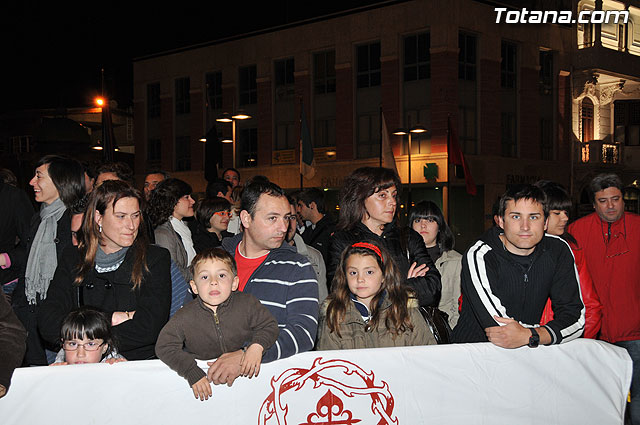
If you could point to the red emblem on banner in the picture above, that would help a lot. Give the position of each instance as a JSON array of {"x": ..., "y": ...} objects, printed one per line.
[{"x": 343, "y": 394}]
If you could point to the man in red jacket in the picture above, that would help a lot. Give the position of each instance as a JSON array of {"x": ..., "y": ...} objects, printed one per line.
[{"x": 610, "y": 238}]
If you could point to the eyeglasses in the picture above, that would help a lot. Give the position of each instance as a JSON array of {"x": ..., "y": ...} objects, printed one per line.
[
  {"x": 88, "y": 346},
  {"x": 223, "y": 213}
]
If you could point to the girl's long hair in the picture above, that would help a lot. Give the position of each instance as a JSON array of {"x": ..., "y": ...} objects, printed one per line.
[
  {"x": 105, "y": 195},
  {"x": 357, "y": 187},
  {"x": 396, "y": 318}
]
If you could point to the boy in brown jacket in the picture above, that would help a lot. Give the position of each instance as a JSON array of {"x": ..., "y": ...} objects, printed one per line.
[{"x": 219, "y": 321}]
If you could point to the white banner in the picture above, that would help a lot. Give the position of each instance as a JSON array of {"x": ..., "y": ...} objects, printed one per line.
[{"x": 581, "y": 382}]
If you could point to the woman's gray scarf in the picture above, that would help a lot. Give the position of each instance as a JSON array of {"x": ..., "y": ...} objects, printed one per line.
[
  {"x": 109, "y": 262},
  {"x": 43, "y": 258}
]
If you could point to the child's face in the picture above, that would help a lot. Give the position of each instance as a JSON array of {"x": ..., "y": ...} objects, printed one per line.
[
  {"x": 80, "y": 351},
  {"x": 364, "y": 277},
  {"x": 213, "y": 281}
]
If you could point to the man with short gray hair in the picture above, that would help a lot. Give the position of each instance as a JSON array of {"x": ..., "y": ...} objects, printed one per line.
[{"x": 610, "y": 238}]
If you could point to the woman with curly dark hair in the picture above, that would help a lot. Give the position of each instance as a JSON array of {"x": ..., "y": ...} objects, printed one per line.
[
  {"x": 169, "y": 203},
  {"x": 370, "y": 307},
  {"x": 368, "y": 202},
  {"x": 114, "y": 269}
]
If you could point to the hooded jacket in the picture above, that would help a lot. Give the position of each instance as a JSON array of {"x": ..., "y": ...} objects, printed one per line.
[
  {"x": 405, "y": 247},
  {"x": 496, "y": 282}
]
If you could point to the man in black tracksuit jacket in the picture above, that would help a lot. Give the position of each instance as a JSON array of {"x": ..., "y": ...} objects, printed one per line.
[{"x": 508, "y": 275}]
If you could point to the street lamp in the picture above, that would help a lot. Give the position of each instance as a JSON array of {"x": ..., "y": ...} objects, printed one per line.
[
  {"x": 227, "y": 117},
  {"x": 403, "y": 132}
]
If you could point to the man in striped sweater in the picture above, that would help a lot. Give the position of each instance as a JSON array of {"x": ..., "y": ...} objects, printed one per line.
[
  {"x": 272, "y": 271},
  {"x": 509, "y": 274}
]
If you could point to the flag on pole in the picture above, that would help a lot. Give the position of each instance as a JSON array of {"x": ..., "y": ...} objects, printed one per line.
[
  {"x": 307, "y": 161},
  {"x": 388, "y": 160},
  {"x": 456, "y": 157}
]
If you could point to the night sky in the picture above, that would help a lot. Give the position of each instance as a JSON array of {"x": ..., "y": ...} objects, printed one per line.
[{"x": 53, "y": 51}]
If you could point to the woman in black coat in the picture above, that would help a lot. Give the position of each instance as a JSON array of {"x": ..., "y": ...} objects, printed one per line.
[
  {"x": 116, "y": 270},
  {"x": 58, "y": 184},
  {"x": 368, "y": 206}
]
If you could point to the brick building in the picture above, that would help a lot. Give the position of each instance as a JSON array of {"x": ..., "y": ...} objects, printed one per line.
[{"x": 512, "y": 92}]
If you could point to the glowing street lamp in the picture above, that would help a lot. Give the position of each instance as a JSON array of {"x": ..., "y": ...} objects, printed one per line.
[
  {"x": 226, "y": 117},
  {"x": 403, "y": 132}
]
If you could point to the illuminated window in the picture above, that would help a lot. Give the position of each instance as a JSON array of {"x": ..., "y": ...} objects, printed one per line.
[
  {"x": 587, "y": 119},
  {"x": 585, "y": 153},
  {"x": 610, "y": 154}
]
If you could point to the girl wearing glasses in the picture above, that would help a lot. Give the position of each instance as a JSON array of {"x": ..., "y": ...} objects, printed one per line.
[
  {"x": 87, "y": 338},
  {"x": 211, "y": 223}
]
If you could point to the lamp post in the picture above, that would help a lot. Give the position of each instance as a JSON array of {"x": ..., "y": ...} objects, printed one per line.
[
  {"x": 227, "y": 117},
  {"x": 403, "y": 132}
]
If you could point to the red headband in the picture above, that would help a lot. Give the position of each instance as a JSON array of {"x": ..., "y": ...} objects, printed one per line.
[{"x": 370, "y": 246}]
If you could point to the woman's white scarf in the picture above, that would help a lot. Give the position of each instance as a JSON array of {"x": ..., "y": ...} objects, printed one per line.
[{"x": 185, "y": 234}]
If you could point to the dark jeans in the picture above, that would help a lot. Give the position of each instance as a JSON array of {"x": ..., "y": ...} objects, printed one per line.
[{"x": 633, "y": 348}]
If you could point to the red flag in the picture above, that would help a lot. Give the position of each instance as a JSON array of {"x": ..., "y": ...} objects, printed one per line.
[{"x": 456, "y": 157}]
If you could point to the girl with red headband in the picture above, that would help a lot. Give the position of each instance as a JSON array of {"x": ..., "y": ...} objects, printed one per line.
[{"x": 370, "y": 307}]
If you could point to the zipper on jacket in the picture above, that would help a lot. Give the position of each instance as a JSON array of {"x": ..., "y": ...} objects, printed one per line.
[{"x": 219, "y": 332}]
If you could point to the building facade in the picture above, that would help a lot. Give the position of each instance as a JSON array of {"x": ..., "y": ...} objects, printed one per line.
[{"x": 513, "y": 93}]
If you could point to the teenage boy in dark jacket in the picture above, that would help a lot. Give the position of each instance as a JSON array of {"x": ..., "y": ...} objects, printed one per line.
[{"x": 510, "y": 272}]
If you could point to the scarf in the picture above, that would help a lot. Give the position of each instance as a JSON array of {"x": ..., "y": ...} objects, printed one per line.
[
  {"x": 185, "y": 234},
  {"x": 109, "y": 262},
  {"x": 43, "y": 258}
]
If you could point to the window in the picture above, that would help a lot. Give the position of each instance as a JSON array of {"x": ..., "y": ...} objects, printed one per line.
[
  {"x": 508, "y": 127},
  {"x": 285, "y": 136},
  {"x": 546, "y": 72},
  {"x": 368, "y": 145},
  {"x": 248, "y": 147},
  {"x": 627, "y": 122},
  {"x": 467, "y": 129},
  {"x": 417, "y": 58},
  {"x": 467, "y": 57},
  {"x": 587, "y": 119},
  {"x": 21, "y": 144},
  {"x": 508, "y": 65},
  {"x": 325, "y": 132},
  {"x": 183, "y": 153},
  {"x": 584, "y": 152},
  {"x": 368, "y": 65},
  {"x": 153, "y": 100},
  {"x": 214, "y": 90},
  {"x": 247, "y": 85},
  {"x": 183, "y": 99},
  {"x": 546, "y": 139},
  {"x": 154, "y": 153},
  {"x": 284, "y": 78},
  {"x": 324, "y": 78},
  {"x": 610, "y": 154}
]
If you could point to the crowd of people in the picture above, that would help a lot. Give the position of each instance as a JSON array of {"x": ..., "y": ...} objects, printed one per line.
[{"x": 104, "y": 272}]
